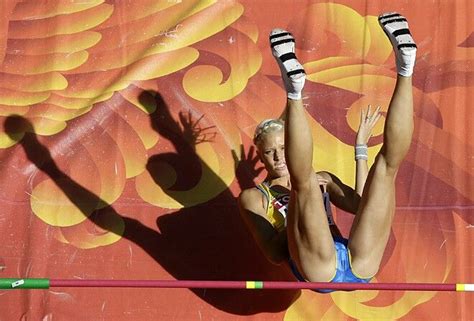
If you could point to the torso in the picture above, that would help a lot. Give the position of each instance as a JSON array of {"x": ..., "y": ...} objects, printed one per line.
[
  {"x": 276, "y": 205},
  {"x": 276, "y": 200}
]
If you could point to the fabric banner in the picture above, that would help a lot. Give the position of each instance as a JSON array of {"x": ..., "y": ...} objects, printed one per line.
[{"x": 126, "y": 137}]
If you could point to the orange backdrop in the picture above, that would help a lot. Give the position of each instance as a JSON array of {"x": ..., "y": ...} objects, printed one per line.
[{"x": 131, "y": 139}]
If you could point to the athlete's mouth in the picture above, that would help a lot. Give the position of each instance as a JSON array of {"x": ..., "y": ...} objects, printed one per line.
[{"x": 280, "y": 166}]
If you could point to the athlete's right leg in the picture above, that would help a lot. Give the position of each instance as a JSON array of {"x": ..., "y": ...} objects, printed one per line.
[{"x": 309, "y": 238}]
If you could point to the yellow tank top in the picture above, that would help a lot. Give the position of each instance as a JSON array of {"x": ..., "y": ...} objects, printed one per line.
[{"x": 277, "y": 206}]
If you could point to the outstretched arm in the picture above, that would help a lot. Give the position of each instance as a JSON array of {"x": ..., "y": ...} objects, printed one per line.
[
  {"x": 342, "y": 195},
  {"x": 368, "y": 120}
]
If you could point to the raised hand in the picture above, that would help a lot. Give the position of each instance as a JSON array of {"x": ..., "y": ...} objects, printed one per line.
[{"x": 368, "y": 120}]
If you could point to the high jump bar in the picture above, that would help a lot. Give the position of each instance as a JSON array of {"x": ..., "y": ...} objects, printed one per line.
[{"x": 44, "y": 283}]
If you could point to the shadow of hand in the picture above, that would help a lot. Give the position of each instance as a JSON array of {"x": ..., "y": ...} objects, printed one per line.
[
  {"x": 192, "y": 132},
  {"x": 246, "y": 168}
]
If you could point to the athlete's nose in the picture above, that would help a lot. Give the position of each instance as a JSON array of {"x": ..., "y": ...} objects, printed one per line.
[{"x": 278, "y": 155}]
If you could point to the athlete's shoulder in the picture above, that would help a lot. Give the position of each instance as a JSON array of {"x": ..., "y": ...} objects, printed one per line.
[
  {"x": 251, "y": 198},
  {"x": 250, "y": 194}
]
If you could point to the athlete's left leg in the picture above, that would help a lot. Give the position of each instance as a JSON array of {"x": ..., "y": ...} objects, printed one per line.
[{"x": 372, "y": 224}]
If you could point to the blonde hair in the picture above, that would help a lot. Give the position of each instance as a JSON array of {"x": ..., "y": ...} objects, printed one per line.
[{"x": 267, "y": 126}]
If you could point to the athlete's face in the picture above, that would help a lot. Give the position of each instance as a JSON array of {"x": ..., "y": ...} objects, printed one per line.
[{"x": 271, "y": 149}]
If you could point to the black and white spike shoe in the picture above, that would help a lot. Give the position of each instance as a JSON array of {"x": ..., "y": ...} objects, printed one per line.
[{"x": 396, "y": 28}]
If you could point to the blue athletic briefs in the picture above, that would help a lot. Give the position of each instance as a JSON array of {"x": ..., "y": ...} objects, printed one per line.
[{"x": 343, "y": 269}]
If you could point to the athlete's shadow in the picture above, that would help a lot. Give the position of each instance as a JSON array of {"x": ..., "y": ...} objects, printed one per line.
[
  {"x": 201, "y": 242},
  {"x": 207, "y": 241}
]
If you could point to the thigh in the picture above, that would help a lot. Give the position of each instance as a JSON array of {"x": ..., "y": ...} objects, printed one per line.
[
  {"x": 309, "y": 237},
  {"x": 371, "y": 228}
]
